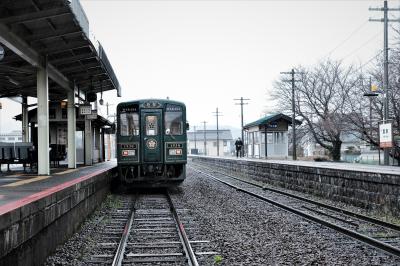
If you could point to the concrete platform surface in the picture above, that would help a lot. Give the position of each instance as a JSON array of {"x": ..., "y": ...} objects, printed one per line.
[
  {"x": 380, "y": 169},
  {"x": 18, "y": 188}
]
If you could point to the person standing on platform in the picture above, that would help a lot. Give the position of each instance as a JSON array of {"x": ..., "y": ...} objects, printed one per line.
[{"x": 238, "y": 145}]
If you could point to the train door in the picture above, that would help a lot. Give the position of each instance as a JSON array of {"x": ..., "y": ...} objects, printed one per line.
[{"x": 152, "y": 134}]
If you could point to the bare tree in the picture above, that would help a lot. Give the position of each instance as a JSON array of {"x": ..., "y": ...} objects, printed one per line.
[
  {"x": 367, "y": 112},
  {"x": 320, "y": 102}
]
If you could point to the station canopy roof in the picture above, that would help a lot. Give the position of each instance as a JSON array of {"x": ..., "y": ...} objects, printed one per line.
[
  {"x": 271, "y": 118},
  {"x": 57, "y": 31}
]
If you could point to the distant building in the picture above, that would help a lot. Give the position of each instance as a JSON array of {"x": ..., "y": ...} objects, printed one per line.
[
  {"x": 13, "y": 136},
  {"x": 271, "y": 129},
  {"x": 196, "y": 142},
  {"x": 353, "y": 149}
]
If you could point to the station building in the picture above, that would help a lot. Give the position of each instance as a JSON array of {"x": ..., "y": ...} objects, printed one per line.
[
  {"x": 268, "y": 137},
  {"x": 197, "y": 139}
]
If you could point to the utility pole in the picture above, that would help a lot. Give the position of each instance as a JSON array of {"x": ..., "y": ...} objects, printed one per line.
[
  {"x": 292, "y": 80},
  {"x": 241, "y": 103},
  {"x": 205, "y": 140},
  {"x": 385, "y": 21},
  {"x": 217, "y": 114},
  {"x": 195, "y": 141}
]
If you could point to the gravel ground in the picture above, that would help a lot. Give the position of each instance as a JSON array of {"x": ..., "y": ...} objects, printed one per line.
[
  {"x": 242, "y": 229},
  {"x": 82, "y": 244},
  {"x": 248, "y": 231},
  {"x": 371, "y": 212}
]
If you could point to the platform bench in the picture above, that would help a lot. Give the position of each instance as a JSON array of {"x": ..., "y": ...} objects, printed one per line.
[{"x": 17, "y": 153}]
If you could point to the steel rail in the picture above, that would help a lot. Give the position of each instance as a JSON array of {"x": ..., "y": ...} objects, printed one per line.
[
  {"x": 324, "y": 205},
  {"x": 368, "y": 240},
  {"x": 182, "y": 234},
  {"x": 119, "y": 255}
]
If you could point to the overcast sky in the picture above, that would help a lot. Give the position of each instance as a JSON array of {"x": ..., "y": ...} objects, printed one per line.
[{"x": 206, "y": 53}]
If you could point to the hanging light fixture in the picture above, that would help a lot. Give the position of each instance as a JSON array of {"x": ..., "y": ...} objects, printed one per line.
[{"x": 101, "y": 101}]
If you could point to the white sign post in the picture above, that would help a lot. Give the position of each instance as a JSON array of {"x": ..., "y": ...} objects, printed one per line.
[
  {"x": 385, "y": 135},
  {"x": 85, "y": 109}
]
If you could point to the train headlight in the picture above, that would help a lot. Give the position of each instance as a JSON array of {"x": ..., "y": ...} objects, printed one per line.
[{"x": 175, "y": 151}]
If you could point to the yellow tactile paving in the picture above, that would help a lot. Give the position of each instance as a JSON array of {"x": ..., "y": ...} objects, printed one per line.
[
  {"x": 66, "y": 172},
  {"x": 70, "y": 170},
  {"x": 27, "y": 181},
  {"x": 30, "y": 180}
]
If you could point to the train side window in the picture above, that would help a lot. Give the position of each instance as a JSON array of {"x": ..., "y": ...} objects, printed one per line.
[
  {"x": 151, "y": 125},
  {"x": 173, "y": 123},
  {"x": 129, "y": 124}
]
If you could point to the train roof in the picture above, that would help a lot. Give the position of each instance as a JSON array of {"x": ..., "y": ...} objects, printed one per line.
[{"x": 162, "y": 101}]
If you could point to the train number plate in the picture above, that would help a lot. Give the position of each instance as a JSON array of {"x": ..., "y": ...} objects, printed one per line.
[
  {"x": 128, "y": 146},
  {"x": 174, "y": 145}
]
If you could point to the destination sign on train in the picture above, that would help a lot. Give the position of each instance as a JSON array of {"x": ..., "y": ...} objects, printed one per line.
[
  {"x": 173, "y": 108},
  {"x": 133, "y": 108}
]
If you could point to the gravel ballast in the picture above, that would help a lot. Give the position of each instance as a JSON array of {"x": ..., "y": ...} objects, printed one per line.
[
  {"x": 248, "y": 231},
  {"x": 242, "y": 229}
]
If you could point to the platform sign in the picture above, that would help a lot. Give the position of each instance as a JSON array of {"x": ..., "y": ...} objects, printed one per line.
[
  {"x": 92, "y": 116},
  {"x": 272, "y": 125},
  {"x": 385, "y": 135},
  {"x": 85, "y": 109}
]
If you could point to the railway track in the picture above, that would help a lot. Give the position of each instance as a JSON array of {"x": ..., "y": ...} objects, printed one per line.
[
  {"x": 146, "y": 229},
  {"x": 379, "y": 234}
]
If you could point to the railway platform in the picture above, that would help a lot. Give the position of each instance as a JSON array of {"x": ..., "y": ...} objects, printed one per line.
[
  {"x": 370, "y": 187},
  {"x": 381, "y": 169},
  {"x": 39, "y": 212}
]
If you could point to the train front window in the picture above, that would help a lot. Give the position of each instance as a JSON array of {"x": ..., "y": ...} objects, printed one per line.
[
  {"x": 173, "y": 123},
  {"x": 151, "y": 125},
  {"x": 129, "y": 124}
]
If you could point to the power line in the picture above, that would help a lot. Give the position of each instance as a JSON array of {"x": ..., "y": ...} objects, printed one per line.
[
  {"x": 348, "y": 38},
  {"x": 362, "y": 45},
  {"x": 369, "y": 61}
]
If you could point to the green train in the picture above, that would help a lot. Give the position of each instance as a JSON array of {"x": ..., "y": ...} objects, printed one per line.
[{"x": 151, "y": 142}]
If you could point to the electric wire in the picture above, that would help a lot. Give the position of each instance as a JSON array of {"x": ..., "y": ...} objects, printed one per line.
[
  {"x": 362, "y": 45},
  {"x": 369, "y": 61},
  {"x": 348, "y": 38}
]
